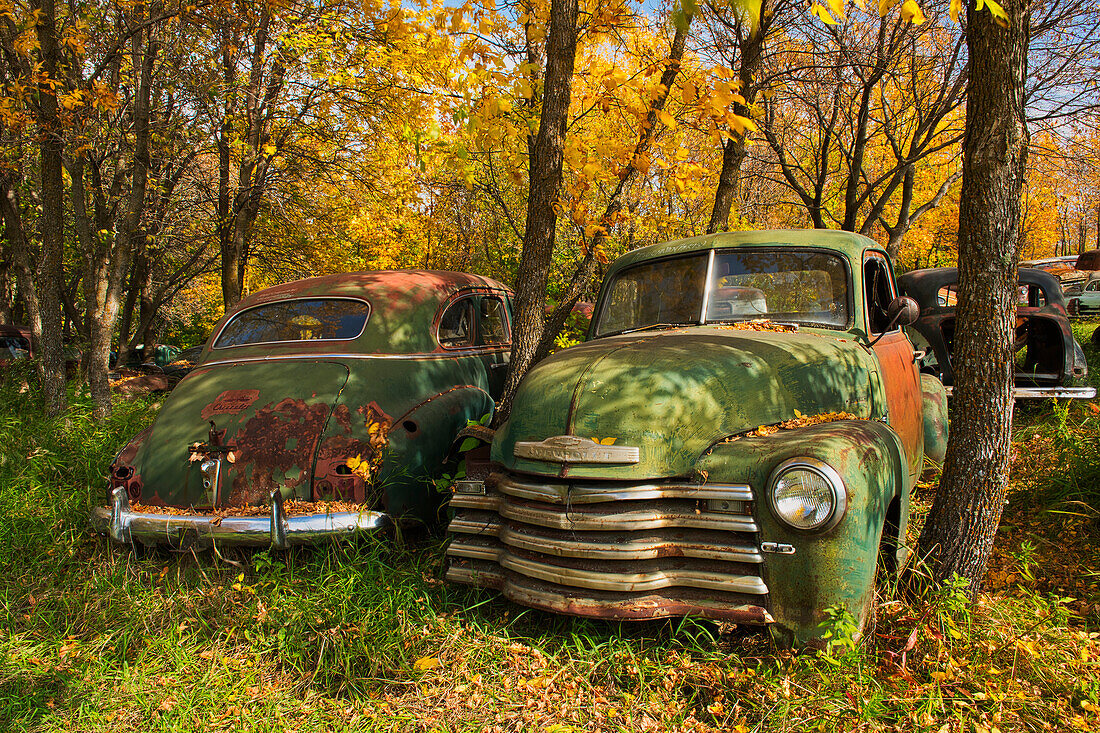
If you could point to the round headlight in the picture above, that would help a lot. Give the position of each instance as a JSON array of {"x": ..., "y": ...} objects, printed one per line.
[{"x": 807, "y": 494}]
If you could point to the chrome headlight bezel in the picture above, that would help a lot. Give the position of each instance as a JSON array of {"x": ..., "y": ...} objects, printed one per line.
[{"x": 824, "y": 471}]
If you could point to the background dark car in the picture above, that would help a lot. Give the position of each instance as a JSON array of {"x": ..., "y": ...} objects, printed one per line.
[
  {"x": 1049, "y": 361},
  {"x": 15, "y": 344},
  {"x": 184, "y": 362}
]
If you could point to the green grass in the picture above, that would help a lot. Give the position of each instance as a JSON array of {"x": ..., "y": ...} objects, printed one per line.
[{"x": 365, "y": 636}]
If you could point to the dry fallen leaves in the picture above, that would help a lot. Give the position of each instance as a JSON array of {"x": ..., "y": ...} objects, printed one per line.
[
  {"x": 802, "y": 421},
  {"x": 291, "y": 506},
  {"x": 762, "y": 325}
]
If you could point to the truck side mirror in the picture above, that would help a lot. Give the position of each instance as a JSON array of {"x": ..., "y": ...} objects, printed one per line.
[{"x": 903, "y": 311}]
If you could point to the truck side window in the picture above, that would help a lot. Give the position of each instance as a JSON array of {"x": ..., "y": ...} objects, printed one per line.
[{"x": 876, "y": 286}]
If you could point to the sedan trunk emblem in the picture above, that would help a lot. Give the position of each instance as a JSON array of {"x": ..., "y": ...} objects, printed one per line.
[{"x": 574, "y": 449}]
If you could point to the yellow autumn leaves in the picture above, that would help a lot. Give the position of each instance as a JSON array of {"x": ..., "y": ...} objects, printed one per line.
[{"x": 910, "y": 10}]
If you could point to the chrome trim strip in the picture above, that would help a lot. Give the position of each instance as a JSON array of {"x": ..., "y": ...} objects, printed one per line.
[
  {"x": 575, "y": 449},
  {"x": 592, "y": 493},
  {"x": 487, "y": 527},
  {"x": 324, "y": 357},
  {"x": 275, "y": 529},
  {"x": 626, "y": 521},
  {"x": 628, "y": 549},
  {"x": 488, "y": 502},
  {"x": 622, "y": 582},
  {"x": 1039, "y": 393}
]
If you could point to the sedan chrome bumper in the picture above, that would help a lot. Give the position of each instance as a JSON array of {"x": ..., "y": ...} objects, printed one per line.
[{"x": 276, "y": 529}]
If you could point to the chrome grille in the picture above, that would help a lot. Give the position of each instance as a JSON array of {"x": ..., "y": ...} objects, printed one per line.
[{"x": 611, "y": 548}]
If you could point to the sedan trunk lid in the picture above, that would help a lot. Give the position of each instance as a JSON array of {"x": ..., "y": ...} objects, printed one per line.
[{"x": 239, "y": 431}]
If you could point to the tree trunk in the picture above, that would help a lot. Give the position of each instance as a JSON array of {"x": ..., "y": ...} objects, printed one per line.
[
  {"x": 958, "y": 534},
  {"x": 126, "y": 337},
  {"x": 11, "y": 212},
  {"x": 544, "y": 182},
  {"x": 51, "y": 222},
  {"x": 586, "y": 271},
  {"x": 733, "y": 151}
]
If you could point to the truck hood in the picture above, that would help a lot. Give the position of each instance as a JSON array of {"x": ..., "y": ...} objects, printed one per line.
[
  {"x": 673, "y": 394},
  {"x": 261, "y": 420}
]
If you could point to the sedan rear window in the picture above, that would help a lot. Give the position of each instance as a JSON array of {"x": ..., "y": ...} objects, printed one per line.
[{"x": 296, "y": 320}]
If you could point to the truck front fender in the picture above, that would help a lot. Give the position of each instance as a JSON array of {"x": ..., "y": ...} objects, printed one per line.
[{"x": 808, "y": 572}]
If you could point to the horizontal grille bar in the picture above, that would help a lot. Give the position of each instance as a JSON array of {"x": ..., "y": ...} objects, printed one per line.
[
  {"x": 642, "y": 515},
  {"x": 592, "y": 492},
  {"x": 747, "y": 609},
  {"x": 611, "y": 546},
  {"x": 649, "y": 576}
]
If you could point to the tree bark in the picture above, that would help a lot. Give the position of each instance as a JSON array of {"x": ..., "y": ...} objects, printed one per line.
[
  {"x": 544, "y": 183},
  {"x": 51, "y": 222},
  {"x": 751, "y": 49},
  {"x": 586, "y": 271},
  {"x": 958, "y": 535},
  {"x": 11, "y": 212}
]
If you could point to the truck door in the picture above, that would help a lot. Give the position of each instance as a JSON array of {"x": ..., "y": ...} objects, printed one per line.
[{"x": 900, "y": 376}]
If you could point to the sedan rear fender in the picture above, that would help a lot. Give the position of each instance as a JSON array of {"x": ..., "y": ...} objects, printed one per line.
[
  {"x": 372, "y": 453},
  {"x": 808, "y": 572},
  {"x": 423, "y": 437}
]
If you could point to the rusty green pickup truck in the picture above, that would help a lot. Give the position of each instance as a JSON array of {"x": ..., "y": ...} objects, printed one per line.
[{"x": 736, "y": 440}]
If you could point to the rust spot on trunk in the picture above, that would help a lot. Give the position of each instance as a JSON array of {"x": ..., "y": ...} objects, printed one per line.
[
  {"x": 230, "y": 402},
  {"x": 270, "y": 446}
]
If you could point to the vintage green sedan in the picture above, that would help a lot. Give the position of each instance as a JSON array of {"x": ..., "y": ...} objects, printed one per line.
[
  {"x": 318, "y": 409},
  {"x": 737, "y": 440}
]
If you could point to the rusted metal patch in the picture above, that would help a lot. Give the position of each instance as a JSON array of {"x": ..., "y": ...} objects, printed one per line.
[
  {"x": 269, "y": 450},
  {"x": 230, "y": 402}
]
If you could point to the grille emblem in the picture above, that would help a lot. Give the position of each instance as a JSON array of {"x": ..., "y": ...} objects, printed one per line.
[{"x": 574, "y": 449}]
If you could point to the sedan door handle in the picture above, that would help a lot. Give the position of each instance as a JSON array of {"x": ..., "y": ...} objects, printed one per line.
[{"x": 499, "y": 365}]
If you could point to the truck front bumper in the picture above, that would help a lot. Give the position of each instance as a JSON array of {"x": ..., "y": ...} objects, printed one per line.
[{"x": 275, "y": 529}]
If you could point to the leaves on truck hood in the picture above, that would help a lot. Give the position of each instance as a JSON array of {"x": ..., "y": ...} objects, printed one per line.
[
  {"x": 761, "y": 325},
  {"x": 798, "y": 421}
]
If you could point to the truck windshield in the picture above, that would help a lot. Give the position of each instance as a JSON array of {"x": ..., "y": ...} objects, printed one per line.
[{"x": 788, "y": 285}]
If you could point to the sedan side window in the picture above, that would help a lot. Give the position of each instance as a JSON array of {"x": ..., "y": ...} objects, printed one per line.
[
  {"x": 456, "y": 327},
  {"x": 494, "y": 322},
  {"x": 1094, "y": 285}
]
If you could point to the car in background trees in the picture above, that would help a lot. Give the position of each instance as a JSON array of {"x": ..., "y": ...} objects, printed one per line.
[
  {"x": 15, "y": 344},
  {"x": 736, "y": 440},
  {"x": 318, "y": 409},
  {"x": 184, "y": 362},
  {"x": 1049, "y": 361}
]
